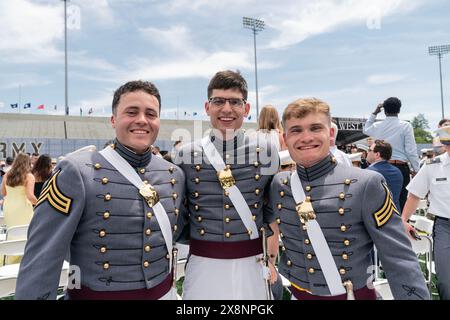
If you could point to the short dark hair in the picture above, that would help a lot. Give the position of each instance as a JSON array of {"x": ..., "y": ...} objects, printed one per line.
[
  {"x": 35, "y": 154},
  {"x": 392, "y": 105},
  {"x": 133, "y": 86},
  {"x": 228, "y": 80},
  {"x": 9, "y": 160},
  {"x": 443, "y": 121},
  {"x": 384, "y": 148}
]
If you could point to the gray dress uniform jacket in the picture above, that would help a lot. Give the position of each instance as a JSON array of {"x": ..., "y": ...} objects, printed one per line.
[
  {"x": 211, "y": 214},
  {"x": 355, "y": 211},
  {"x": 90, "y": 211}
]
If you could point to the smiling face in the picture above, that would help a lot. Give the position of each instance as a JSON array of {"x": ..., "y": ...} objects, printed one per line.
[
  {"x": 308, "y": 138},
  {"x": 228, "y": 117},
  {"x": 136, "y": 120}
]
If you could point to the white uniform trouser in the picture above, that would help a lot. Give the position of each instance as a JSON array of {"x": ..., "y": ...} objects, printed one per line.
[{"x": 224, "y": 279}]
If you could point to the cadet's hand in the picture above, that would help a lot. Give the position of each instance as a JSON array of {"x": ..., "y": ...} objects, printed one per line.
[
  {"x": 273, "y": 273},
  {"x": 378, "y": 109},
  {"x": 408, "y": 228}
]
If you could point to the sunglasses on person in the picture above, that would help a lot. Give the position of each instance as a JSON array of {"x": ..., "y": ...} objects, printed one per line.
[{"x": 220, "y": 102}]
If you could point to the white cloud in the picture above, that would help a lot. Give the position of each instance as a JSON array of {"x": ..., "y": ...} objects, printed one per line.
[
  {"x": 379, "y": 79},
  {"x": 30, "y": 30},
  {"x": 16, "y": 80}
]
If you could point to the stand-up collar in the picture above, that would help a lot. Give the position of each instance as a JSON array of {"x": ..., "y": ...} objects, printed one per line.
[
  {"x": 134, "y": 159},
  {"x": 318, "y": 170},
  {"x": 230, "y": 144}
]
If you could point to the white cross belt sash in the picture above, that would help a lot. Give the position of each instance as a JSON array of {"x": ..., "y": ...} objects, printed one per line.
[
  {"x": 228, "y": 184},
  {"x": 316, "y": 237},
  {"x": 147, "y": 191}
]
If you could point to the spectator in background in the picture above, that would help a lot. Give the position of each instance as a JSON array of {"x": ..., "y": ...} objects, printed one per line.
[
  {"x": 41, "y": 171},
  {"x": 269, "y": 124},
  {"x": 438, "y": 147},
  {"x": 363, "y": 149},
  {"x": 156, "y": 151},
  {"x": 8, "y": 163},
  {"x": 400, "y": 135},
  {"x": 34, "y": 158},
  {"x": 17, "y": 188},
  {"x": 340, "y": 156},
  {"x": 378, "y": 156}
]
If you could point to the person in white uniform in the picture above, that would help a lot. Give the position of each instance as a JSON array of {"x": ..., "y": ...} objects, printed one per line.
[{"x": 434, "y": 178}]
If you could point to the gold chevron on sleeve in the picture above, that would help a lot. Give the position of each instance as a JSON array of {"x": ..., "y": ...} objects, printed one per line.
[
  {"x": 54, "y": 196},
  {"x": 383, "y": 214}
]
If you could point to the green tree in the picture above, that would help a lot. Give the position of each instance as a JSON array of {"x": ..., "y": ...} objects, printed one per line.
[{"x": 420, "y": 124}]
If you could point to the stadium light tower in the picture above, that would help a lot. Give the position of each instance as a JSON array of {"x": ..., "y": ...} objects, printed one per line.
[
  {"x": 256, "y": 26},
  {"x": 66, "y": 87},
  {"x": 440, "y": 51}
]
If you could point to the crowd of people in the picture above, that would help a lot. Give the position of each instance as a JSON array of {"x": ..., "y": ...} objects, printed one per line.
[{"x": 118, "y": 212}]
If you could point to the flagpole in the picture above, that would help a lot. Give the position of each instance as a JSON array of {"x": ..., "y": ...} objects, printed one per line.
[
  {"x": 20, "y": 97},
  {"x": 66, "y": 95}
]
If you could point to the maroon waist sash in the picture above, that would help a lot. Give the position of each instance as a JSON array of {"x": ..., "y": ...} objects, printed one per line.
[
  {"x": 155, "y": 293},
  {"x": 226, "y": 250},
  {"x": 361, "y": 294}
]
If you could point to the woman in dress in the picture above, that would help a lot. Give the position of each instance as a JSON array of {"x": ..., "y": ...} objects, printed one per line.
[{"x": 42, "y": 171}]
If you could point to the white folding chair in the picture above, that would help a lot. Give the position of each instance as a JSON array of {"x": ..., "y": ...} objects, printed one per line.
[
  {"x": 17, "y": 232},
  {"x": 12, "y": 248},
  {"x": 7, "y": 286}
]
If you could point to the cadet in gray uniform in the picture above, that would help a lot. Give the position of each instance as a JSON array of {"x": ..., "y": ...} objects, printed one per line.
[
  {"x": 434, "y": 179},
  {"x": 91, "y": 211},
  {"x": 225, "y": 252},
  {"x": 353, "y": 209}
]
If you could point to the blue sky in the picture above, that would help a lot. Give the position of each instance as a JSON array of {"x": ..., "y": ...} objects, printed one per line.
[{"x": 351, "y": 54}]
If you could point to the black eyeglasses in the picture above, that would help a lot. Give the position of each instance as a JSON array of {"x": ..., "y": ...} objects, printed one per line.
[{"x": 220, "y": 102}]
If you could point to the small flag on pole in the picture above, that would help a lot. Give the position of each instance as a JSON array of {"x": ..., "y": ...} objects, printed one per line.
[
  {"x": 14, "y": 105},
  {"x": 56, "y": 107},
  {"x": 40, "y": 107},
  {"x": 27, "y": 105},
  {"x": 90, "y": 111},
  {"x": 194, "y": 114},
  {"x": 249, "y": 117}
]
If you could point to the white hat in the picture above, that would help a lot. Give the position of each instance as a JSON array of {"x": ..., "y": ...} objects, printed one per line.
[{"x": 444, "y": 135}]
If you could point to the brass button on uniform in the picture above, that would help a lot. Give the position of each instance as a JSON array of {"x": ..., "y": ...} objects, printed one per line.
[
  {"x": 196, "y": 194},
  {"x": 142, "y": 170},
  {"x": 106, "y": 215},
  {"x": 257, "y": 177},
  {"x": 197, "y": 168},
  {"x": 278, "y": 220},
  {"x": 97, "y": 166},
  {"x": 202, "y": 232},
  {"x": 308, "y": 188},
  {"x": 258, "y": 149},
  {"x": 195, "y": 153},
  {"x": 148, "y": 232},
  {"x": 341, "y": 211},
  {"x": 145, "y": 181},
  {"x": 346, "y": 242},
  {"x": 309, "y": 256},
  {"x": 283, "y": 248},
  {"x": 282, "y": 194},
  {"x": 279, "y": 206},
  {"x": 253, "y": 217},
  {"x": 199, "y": 218},
  {"x": 345, "y": 256},
  {"x": 227, "y": 206},
  {"x": 308, "y": 199},
  {"x": 228, "y": 166},
  {"x": 257, "y": 191},
  {"x": 105, "y": 180},
  {"x": 333, "y": 160},
  {"x": 103, "y": 249},
  {"x": 343, "y": 228},
  {"x": 147, "y": 248},
  {"x": 347, "y": 181},
  {"x": 177, "y": 211},
  {"x": 171, "y": 169},
  {"x": 108, "y": 197},
  {"x": 342, "y": 196},
  {"x": 227, "y": 234},
  {"x": 175, "y": 227},
  {"x": 307, "y": 241},
  {"x": 174, "y": 196},
  {"x": 289, "y": 263},
  {"x": 102, "y": 233},
  {"x": 197, "y": 180},
  {"x": 311, "y": 270},
  {"x": 281, "y": 235},
  {"x": 304, "y": 227},
  {"x": 249, "y": 232},
  {"x": 256, "y": 205},
  {"x": 196, "y": 207},
  {"x": 146, "y": 264},
  {"x": 227, "y": 193},
  {"x": 342, "y": 271},
  {"x": 285, "y": 181},
  {"x": 173, "y": 181},
  {"x": 227, "y": 156},
  {"x": 227, "y": 220},
  {"x": 256, "y": 164},
  {"x": 106, "y": 266},
  {"x": 149, "y": 215}
]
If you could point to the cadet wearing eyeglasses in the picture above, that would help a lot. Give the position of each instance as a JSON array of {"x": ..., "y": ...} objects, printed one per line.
[{"x": 227, "y": 174}]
